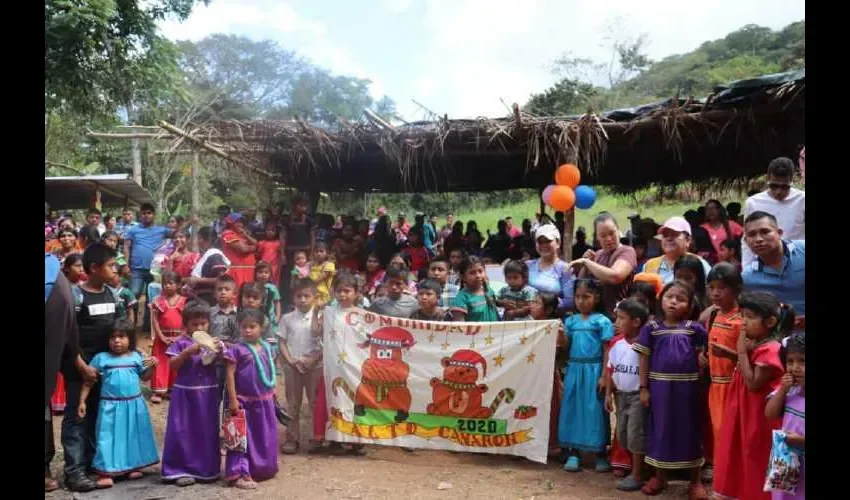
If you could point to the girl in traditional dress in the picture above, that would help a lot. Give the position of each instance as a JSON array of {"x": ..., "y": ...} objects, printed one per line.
[
  {"x": 182, "y": 260},
  {"x": 789, "y": 403},
  {"x": 239, "y": 247},
  {"x": 739, "y": 474},
  {"x": 322, "y": 271},
  {"x": 583, "y": 424},
  {"x": 125, "y": 441},
  {"x": 723, "y": 321},
  {"x": 269, "y": 250},
  {"x": 374, "y": 275},
  {"x": 669, "y": 386},
  {"x": 191, "y": 449},
  {"x": 167, "y": 324},
  {"x": 251, "y": 386}
]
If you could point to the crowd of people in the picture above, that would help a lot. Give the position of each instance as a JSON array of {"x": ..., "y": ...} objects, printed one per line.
[{"x": 697, "y": 348}]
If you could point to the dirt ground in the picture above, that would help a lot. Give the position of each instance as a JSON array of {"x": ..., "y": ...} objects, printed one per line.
[{"x": 418, "y": 475}]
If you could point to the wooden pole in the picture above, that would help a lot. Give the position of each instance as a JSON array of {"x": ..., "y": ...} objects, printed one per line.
[
  {"x": 136, "y": 148},
  {"x": 196, "y": 197}
]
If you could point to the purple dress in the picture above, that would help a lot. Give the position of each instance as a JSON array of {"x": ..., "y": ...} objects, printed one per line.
[
  {"x": 260, "y": 462},
  {"x": 794, "y": 420},
  {"x": 192, "y": 434},
  {"x": 676, "y": 407}
]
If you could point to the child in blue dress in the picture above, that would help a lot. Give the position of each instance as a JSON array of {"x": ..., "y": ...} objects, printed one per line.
[
  {"x": 125, "y": 441},
  {"x": 583, "y": 423}
]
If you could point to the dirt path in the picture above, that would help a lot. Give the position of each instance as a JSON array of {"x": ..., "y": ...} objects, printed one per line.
[{"x": 382, "y": 473}]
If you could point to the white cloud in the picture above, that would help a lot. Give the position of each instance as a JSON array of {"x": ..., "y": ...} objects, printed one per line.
[
  {"x": 398, "y": 6},
  {"x": 482, "y": 51}
]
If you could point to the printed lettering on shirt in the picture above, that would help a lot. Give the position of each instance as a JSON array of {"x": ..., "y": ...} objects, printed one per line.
[{"x": 101, "y": 309}]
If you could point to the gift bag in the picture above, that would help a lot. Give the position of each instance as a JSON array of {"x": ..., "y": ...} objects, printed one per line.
[
  {"x": 784, "y": 467},
  {"x": 235, "y": 431}
]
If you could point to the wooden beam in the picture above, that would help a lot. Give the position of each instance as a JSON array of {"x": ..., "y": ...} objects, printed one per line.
[
  {"x": 377, "y": 120},
  {"x": 127, "y": 135},
  {"x": 216, "y": 151}
]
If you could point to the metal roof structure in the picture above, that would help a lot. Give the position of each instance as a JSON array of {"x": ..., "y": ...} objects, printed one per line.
[{"x": 78, "y": 192}]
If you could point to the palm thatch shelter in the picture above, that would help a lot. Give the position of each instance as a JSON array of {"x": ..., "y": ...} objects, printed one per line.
[{"x": 730, "y": 136}]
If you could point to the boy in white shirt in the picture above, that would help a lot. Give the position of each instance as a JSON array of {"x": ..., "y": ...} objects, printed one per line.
[
  {"x": 302, "y": 357},
  {"x": 622, "y": 378}
]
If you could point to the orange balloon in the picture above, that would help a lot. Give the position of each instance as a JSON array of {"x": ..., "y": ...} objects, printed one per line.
[
  {"x": 562, "y": 199},
  {"x": 568, "y": 175}
]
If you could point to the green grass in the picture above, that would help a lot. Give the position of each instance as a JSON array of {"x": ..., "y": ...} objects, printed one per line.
[{"x": 620, "y": 207}]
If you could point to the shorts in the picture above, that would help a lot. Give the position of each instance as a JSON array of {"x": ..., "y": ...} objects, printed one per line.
[{"x": 631, "y": 422}]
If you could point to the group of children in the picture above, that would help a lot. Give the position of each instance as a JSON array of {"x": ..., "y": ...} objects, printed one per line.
[{"x": 687, "y": 368}]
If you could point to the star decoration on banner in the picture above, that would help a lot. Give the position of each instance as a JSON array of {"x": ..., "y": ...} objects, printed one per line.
[
  {"x": 431, "y": 338},
  {"x": 499, "y": 359},
  {"x": 548, "y": 329},
  {"x": 523, "y": 340},
  {"x": 472, "y": 345},
  {"x": 530, "y": 358},
  {"x": 342, "y": 357},
  {"x": 488, "y": 339},
  {"x": 444, "y": 346}
]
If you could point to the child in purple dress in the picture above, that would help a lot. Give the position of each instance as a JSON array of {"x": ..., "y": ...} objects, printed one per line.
[
  {"x": 191, "y": 450},
  {"x": 669, "y": 386},
  {"x": 251, "y": 386},
  {"x": 789, "y": 402}
]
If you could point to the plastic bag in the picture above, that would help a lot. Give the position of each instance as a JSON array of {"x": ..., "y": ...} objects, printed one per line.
[
  {"x": 235, "y": 430},
  {"x": 784, "y": 467}
]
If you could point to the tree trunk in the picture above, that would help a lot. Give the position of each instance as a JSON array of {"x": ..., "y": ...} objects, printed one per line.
[{"x": 195, "y": 209}]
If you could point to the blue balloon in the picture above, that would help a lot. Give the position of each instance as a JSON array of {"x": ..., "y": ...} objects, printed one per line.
[{"x": 585, "y": 197}]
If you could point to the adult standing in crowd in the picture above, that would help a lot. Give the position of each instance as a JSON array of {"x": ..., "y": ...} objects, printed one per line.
[
  {"x": 781, "y": 200},
  {"x": 513, "y": 231},
  {"x": 675, "y": 241},
  {"x": 220, "y": 225},
  {"x": 779, "y": 266},
  {"x": 613, "y": 264},
  {"x": 128, "y": 220},
  {"x": 382, "y": 211},
  {"x": 718, "y": 225},
  {"x": 524, "y": 243},
  {"x": 297, "y": 233},
  {"x": 140, "y": 243},
  {"x": 401, "y": 228},
  {"x": 212, "y": 264},
  {"x": 429, "y": 236},
  {"x": 446, "y": 230},
  {"x": 549, "y": 273},
  {"x": 94, "y": 220},
  {"x": 240, "y": 248},
  {"x": 60, "y": 338}
]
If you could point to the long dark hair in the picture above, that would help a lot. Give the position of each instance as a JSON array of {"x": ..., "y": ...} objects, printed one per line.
[
  {"x": 721, "y": 212},
  {"x": 464, "y": 266},
  {"x": 595, "y": 287}
]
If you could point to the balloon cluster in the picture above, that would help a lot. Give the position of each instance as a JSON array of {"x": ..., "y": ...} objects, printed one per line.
[{"x": 566, "y": 193}]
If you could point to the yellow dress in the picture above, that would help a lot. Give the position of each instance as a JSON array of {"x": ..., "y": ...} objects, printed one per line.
[{"x": 323, "y": 286}]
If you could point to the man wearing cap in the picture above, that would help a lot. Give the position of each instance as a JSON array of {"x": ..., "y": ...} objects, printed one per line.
[
  {"x": 780, "y": 264},
  {"x": 675, "y": 236}
]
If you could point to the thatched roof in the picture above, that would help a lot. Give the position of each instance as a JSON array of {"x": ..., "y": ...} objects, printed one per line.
[{"x": 730, "y": 136}]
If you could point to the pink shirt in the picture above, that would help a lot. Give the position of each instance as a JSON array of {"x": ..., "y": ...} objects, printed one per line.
[
  {"x": 514, "y": 231},
  {"x": 718, "y": 235}
]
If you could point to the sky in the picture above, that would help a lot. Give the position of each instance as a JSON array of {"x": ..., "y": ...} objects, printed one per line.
[{"x": 470, "y": 58}]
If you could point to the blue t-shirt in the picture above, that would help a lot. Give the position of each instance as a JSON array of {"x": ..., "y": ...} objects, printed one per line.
[
  {"x": 787, "y": 284},
  {"x": 145, "y": 241}
]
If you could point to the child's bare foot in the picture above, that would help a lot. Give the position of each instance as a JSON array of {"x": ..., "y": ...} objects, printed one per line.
[
  {"x": 245, "y": 483},
  {"x": 50, "y": 484},
  {"x": 135, "y": 475},
  {"x": 155, "y": 399},
  {"x": 104, "y": 482}
]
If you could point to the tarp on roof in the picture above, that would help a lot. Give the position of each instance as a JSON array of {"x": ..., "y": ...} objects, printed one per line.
[{"x": 116, "y": 190}]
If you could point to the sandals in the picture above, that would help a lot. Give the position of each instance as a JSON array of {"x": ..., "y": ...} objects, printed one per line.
[
  {"x": 629, "y": 483},
  {"x": 653, "y": 487},
  {"x": 185, "y": 481},
  {"x": 573, "y": 464},
  {"x": 602, "y": 465},
  {"x": 245, "y": 483},
  {"x": 697, "y": 491}
]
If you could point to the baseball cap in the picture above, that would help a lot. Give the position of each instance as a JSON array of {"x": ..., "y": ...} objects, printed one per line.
[
  {"x": 678, "y": 224},
  {"x": 548, "y": 231}
]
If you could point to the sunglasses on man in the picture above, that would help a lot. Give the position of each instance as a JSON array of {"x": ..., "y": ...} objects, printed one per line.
[{"x": 776, "y": 186}]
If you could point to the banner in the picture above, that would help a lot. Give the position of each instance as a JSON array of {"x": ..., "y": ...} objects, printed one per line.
[{"x": 475, "y": 387}]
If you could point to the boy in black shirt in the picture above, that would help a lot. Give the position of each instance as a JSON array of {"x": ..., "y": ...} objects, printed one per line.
[{"x": 95, "y": 305}]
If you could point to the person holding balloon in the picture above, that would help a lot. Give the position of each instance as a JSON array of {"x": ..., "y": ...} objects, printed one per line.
[{"x": 613, "y": 264}]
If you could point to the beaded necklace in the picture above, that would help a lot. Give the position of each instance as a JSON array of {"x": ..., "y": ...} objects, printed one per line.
[{"x": 268, "y": 381}]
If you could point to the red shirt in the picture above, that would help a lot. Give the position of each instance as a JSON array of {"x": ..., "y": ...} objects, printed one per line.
[{"x": 418, "y": 257}]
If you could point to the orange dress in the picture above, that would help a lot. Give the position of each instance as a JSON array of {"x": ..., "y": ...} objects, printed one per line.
[
  {"x": 269, "y": 251},
  {"x": 241, "y": 264},
  {"x": 725, "y": 331}
]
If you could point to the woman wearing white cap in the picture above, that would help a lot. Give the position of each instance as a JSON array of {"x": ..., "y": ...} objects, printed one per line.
[
  {"x": 613, "y": 264},
  {"x": 549, "y": 273},
  {"x": 675, "y": 236}
]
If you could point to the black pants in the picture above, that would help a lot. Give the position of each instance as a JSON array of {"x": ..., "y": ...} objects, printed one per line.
[
  {"x": 78, "y": 436},
  {"x": 49, "y": 445}
]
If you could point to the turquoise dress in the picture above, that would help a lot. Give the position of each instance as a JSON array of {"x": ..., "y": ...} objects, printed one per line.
[
  {"x": 583, "y": 423},
  {"x": 125, "y": 439}
]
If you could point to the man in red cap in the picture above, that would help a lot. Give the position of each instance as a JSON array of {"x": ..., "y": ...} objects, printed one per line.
[{"x": 675, "y": 236}]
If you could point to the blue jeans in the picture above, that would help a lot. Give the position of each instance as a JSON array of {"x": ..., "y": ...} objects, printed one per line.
[
  {"x": 139, "y": 282},
  {"x": 78, "y": 436}
]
